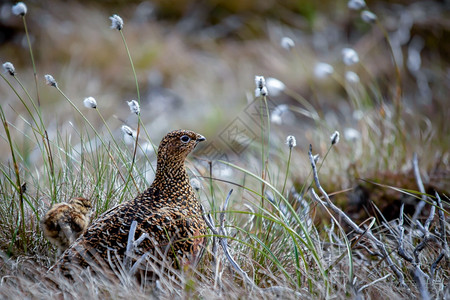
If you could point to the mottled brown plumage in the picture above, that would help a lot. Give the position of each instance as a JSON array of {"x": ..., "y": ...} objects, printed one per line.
[
  {"x": 65, "y": 222},
  {"x": 168, "y": 211}
]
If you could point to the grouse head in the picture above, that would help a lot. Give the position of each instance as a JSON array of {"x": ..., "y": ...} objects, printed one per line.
[
  {"x": 82, "y": 205},
  {"x": 176, "y": 145}
]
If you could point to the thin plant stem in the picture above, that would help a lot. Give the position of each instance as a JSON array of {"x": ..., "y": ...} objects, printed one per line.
[
  {"x": 263, "y": 168},
  {"x": 132, "y": 66},
  {"x": 41, "y": 129},
  {"x": 302, "y": 190},
  {"x": 287, "y": 170},
  {"x": 18, "y": 182},
  {"x": 32, "y": 59},
  {"x": 265, "y": 152},
  {"x": 95, "y": 131},
  {"x": 138, "y": 130}
]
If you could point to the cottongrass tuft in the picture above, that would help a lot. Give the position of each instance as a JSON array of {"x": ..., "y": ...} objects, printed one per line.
[
  {"x": 323, "y": 70},
  {"x": 50, "y": 80},
  {"x": 196, "y": 185},
  {"x": 90, "y": 102},
  {"x": 349, "y": 56},
  {"x": 356, "y": 4},
  {"x": 351, "y": 134},
  {"x": 129, "y": 134},
  {"x": 116, "y": 22},
  {"x": 287, "y": 43},
  {"x": 290, "y": 141},
  {"x": 9, "y": 67},
  {"x": 368, "y": 16},
  {"x": 316, "y": 158},
  {"x": 276, "y": 116},
  {"x": 127, "y": 130},
  {"x": 19, "y": 9},
  {"x": 275, "y": 86},
  {"x": 261, "y": 89},
  {"x": 134, "y": 107},
  {"x": 351, "y": 77},
  {"x": 335, "y": 138}
]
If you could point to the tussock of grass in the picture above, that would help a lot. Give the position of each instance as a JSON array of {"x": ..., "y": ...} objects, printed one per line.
[{"x": 274, "y": 236}]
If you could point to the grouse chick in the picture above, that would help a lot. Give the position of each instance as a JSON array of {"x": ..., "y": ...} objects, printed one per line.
[
  {"x": 65, "y": 222},
  {"x": 168, "y": 211}
]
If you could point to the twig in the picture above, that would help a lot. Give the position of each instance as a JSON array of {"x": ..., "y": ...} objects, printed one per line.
[
  {"x": 419, "y": 182},
  {"x": 373, "y": 253},
  {"x": 400, "y": 249},
  {"x": 131, "y": 246},
  {"x": 430, "y": 217},
  {"x": 222, "y": 213},
  {"x": 421, "y": 286},
  {"x": 444, "y": 242},
  {"x": 435, "y": 263},
  {"x": 252, "y": 217},
  {"x": 443, "y": 237},
  {"x": 418, "y": 274},
  {"x": 136, "y": 265},
  {"x": 221, "y": 235},
  {"x": 128, "y": 252},
  {"x": 426, "y": 236},
  {"x": 372, "y": 283},
  {"x": 381, "y": 247},
  {"x": 279, "y": 292}
]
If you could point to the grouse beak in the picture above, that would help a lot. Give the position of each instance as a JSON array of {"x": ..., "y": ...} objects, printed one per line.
[{"x": 200, "y": 138}]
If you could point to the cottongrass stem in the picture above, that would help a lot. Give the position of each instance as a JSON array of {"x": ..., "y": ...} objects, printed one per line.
[
  {"x": 116, "y": 22},
  {"x": 335, "y": 138},
  {"x": 134, "y": 107},
  {"x": 147, "y": 149},
  {"x": 50, "y": 80},
  {"x": 349, "y": 56},
  {"x": 261, "y": 89},
  {"x": 287, "y": 43},
  {"x": 90, "y": 102},
  {"x": 291, "y": 142},
  {"x": 9, "y": 67},
  {"x": 19, "y": 9}
]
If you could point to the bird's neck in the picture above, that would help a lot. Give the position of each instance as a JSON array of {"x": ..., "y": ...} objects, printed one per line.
[{"x": 168, "y": 171}]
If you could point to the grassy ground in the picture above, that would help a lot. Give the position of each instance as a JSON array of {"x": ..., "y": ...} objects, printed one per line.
[{"x": 381, "y": 222}]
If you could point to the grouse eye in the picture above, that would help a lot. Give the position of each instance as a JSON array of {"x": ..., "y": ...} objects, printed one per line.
[{"x": 185, "y": 139}]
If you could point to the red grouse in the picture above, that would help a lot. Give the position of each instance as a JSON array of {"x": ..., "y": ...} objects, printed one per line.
[{"x": 168, "y": 211}]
